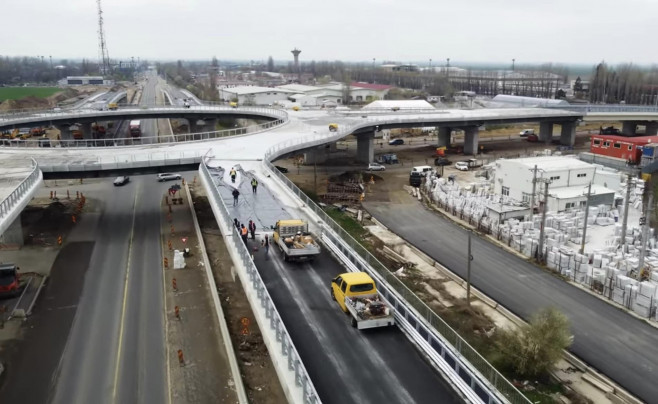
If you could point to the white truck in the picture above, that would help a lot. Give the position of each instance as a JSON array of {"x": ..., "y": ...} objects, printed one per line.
[{"x": 295, "y": 241}]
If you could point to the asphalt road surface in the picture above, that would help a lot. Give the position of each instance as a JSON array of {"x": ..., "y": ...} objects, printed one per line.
[
  {"x": 115, "y": 352},
  {"x": 612, "y": 341},
  {"x": 345, "y": 364},
  {"x": 32, "y": 362}
]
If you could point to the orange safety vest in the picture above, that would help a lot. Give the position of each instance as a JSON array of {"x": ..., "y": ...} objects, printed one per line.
[{"x": 244, "y": 231}]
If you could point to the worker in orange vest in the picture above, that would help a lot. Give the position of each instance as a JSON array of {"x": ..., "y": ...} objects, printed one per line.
[{"x": 244, "y": 233}]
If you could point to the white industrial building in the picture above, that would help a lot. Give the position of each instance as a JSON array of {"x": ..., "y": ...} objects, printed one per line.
[
  {"x": 568, "y": 180},
  {"x": 400, "y": 104},
  {"x": 85, "y": 80},
  {"x": 254, "y": 95}
]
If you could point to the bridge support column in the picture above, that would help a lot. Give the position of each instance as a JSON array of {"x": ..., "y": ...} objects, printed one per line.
[
  {"x": 471, "y": 139},
  {"x": 316, "y": 155},
  {"x": 568, "y": 133},
  {"x": 64, "y": 132},
  {"x": 546, "y": 132},
  {"x": 365, "y": 147},
  {"x": 629, "y": 128},
  {"x": 333, "y": 147},
  {"x": 14, "y": 234},
  {"x": 443, "y": 136},
  {"x": 651, "y": 128},
  {"x": 86, "y": 130}
]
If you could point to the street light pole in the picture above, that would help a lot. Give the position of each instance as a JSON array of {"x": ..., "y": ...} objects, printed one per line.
[
  {"x": 532, "y": 197},
  {"x": 645, "y": 231},
  {"x": 468, "y": 271},
  {"x": 540, "y": 253},
  {"x": 624, "y": 222},
  {"x": 582, "y": 243}
]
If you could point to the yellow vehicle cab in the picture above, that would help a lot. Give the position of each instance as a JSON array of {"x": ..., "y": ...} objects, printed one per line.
[
  {"x": 233, "y": 104},
  {"x": 112, "y": 106},
  {"x": 351, "y": 284},
  {"x": 295, "y": 108},
  {"x": 333, "y": 127}
]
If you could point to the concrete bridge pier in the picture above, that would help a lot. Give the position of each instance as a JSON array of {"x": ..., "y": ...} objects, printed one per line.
[
  {"x": 546, "y": 132},
  {"x": 568, "y": 133},
  {"x": 13, "y": 235},
  {"x": 629, "y": 128},
  {"x": 471, "y": 139},
  {"x": 316, "y": 155},
  {"x": 64, "y": 131},
  {"x": 443, "y": 136},
  {"x": 86, "y": 130},
  {"x": 651, "y": 128},
  {"x": 365, "y": 147}
]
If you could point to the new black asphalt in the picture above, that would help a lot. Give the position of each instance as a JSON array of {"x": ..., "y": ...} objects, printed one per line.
[{"x": 610, "y": 340}]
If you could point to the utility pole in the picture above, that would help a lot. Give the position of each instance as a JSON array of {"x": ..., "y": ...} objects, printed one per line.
[
  {"x": 532, "y": 197},
  {"x": 624, "y": 223},
  {"x": 468, "y": 271},
  {"x": 645, "y": 231},
  {"x": 540, "y": 253},
  {"x": 582, "y": 243}
]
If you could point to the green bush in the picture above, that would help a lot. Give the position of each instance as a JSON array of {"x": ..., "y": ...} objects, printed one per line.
[{"x": 533, "y": 351}]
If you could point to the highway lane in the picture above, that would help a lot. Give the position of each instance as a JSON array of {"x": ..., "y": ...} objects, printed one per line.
[
  {"x": 612, "y": 341},
  {"x": 345, "y": 364},
  {"x": 115, "y": 351}
]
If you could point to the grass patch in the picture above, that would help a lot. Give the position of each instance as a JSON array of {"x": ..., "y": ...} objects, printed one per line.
[
  {"x": 16, "y": 93},
  {"x": 347, "y": 223}
]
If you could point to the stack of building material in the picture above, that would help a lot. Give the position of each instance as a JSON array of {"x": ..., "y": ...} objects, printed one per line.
[{"x": 645, "y": 299}]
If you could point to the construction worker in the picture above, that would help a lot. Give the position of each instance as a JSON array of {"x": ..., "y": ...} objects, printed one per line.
[
  {"x": 236, "y": 194},
  {"x": 233, "y": 174},
  {"x": 244, "y": 233},
  {"x": 266, "y": 243},
  {"x": 236, "y": 223},
  {"x": 254, "y": 185},
  {"x": 252, "y": 229}
]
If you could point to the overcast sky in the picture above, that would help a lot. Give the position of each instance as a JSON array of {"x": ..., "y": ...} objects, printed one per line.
[{"x": 559, "y": 31}]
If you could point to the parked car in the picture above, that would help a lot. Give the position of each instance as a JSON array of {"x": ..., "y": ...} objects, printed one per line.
[
  {"x": 396, "y": 142},
  {"x": 282, "y": 169},
  {"x": 121, "y": 180},
  {"x": 442, "y": 161},
  {"x": 461, "y": 166},
  {"x": 168, "y": 177},
  {"x": 376, "y": 167}
]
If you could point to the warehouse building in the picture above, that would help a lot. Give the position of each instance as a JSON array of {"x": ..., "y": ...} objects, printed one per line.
[{"x": 568, "y": 181}]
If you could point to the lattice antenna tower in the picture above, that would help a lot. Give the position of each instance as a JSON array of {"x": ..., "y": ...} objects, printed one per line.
[{"x": 103, "y": 55}]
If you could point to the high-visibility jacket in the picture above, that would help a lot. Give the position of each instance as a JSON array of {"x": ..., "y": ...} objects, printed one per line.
[
  {"x": 254, "y": 182},
  {"x": 244, "y": 231}
]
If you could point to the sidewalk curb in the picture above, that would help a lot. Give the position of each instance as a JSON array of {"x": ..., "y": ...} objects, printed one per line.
[{"x": 228, "y": 344}]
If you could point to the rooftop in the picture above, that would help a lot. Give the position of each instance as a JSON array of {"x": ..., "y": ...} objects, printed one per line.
[
  {"x": 402, "y": 104},
  {"x": 242, "y": 90},
  {"x": 298, "y": 88},
  {"x": 551, "y": 163},
  {"x": 368, "y": 86},
  {"x": 575, "y": 192},
  {"x": 628, "y": 139}
]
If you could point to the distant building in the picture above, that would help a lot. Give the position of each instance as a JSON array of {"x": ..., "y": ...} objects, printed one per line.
[
  {"x": 626, "y": 148},
  {"x": 569, "y": 178},
  {"x": 85, "y": 80},
  {"x": 514, "y": 101},
  {"x": 254, "y": 95},
  {"x": 399, "y": 104}
]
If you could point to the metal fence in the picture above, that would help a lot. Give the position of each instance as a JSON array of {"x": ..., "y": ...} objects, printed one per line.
[
  {"x": 17, "y": 194},
  {"x": 606, "y": 108},
  {"x": 26, "y": 116},
  {"x": 122, "y": 142},
  {"x": 460, "y": 345},
  {"x": 294, "y": 361}
]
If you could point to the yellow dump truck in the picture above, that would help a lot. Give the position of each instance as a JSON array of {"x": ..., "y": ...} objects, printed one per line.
[
  {"x": 295, "y": 241},
  {"x": 356, "y": 294}
]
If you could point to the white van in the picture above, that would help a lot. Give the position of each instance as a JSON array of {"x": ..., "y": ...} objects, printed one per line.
[
  {"x": 526, "y": 132},
  {"x": 421, "y": 169}
]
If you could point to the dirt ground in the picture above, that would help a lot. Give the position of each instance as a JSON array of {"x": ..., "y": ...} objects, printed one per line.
[{"x": 259, "y": 376}]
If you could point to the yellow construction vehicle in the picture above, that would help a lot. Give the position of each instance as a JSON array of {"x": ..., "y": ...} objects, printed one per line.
[{"x": 333, "y": 127}]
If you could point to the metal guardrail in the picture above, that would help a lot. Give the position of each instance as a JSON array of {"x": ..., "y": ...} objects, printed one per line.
[
  {"x": 606, "y": 108},
  {"x": 295, "y": 364},
  {"x": 17, "y": 194},
  {"x": 139, "y": 141},
  {"x": 38, "y": 115},
  {"x": 127, "y": 161},
  {"x": 409, "y": 298}
]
